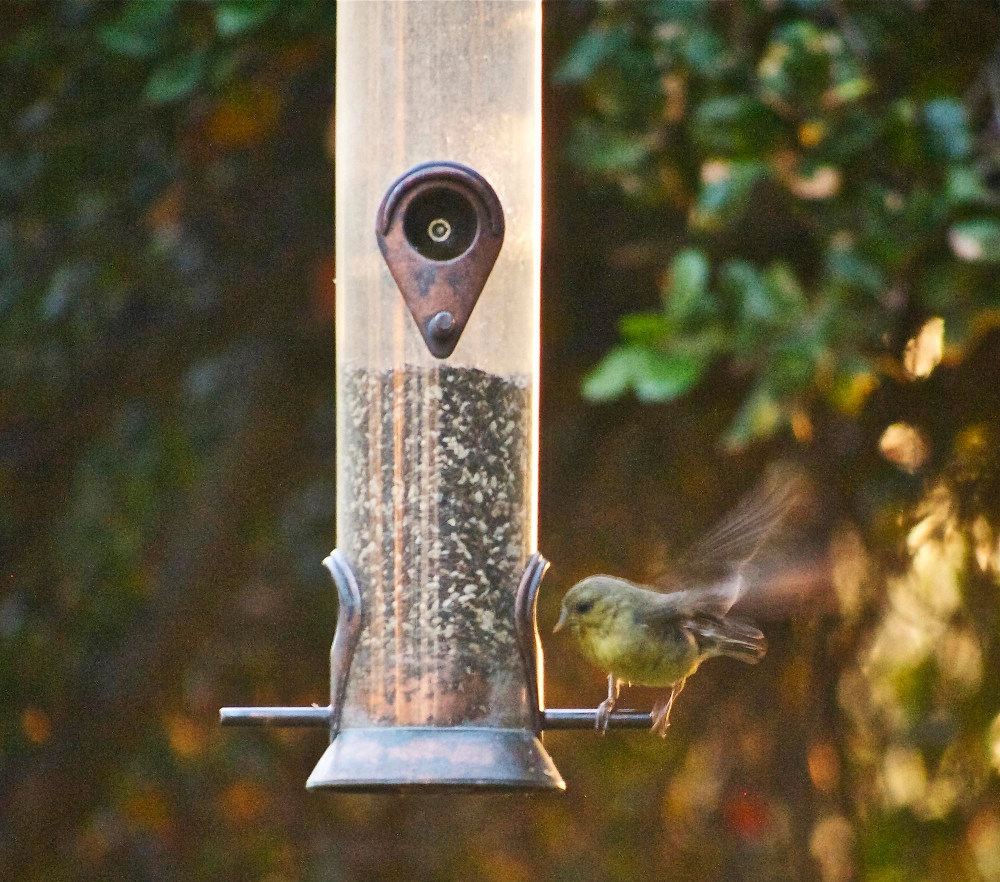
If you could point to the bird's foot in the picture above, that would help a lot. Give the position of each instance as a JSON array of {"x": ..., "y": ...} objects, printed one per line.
[
  {"x": 661, "y": 718},
  {"x": 603, "y": 715},
  {"x": 661, "y": 710}
]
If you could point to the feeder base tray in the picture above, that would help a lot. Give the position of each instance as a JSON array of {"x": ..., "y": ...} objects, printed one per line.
[{"x": 428, "y": 758}]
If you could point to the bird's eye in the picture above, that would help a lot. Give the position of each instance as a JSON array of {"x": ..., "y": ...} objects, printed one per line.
[{"x": 584, "y": 607}]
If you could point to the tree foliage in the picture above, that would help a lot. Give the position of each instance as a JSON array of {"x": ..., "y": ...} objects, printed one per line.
[{"x": 837, "y": 190}]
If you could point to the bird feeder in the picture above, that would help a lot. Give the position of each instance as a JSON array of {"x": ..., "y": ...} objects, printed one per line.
[{"x": 436, "y": 668}]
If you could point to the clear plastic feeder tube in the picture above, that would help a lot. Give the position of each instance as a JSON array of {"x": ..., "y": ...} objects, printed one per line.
[{"x": 437, "y": 459}]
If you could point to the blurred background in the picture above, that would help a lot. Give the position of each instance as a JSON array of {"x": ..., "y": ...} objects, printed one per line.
[{"x": 772, "y": 230}]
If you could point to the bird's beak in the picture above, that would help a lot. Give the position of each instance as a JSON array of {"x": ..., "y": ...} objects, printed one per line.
[{"x": 561, "y": 622}]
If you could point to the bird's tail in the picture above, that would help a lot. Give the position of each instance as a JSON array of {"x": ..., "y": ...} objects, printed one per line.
[{"x": 731, "y": 638}]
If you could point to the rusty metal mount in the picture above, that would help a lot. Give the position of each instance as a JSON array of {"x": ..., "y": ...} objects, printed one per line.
[
  {"x": 440, "y": 228},
  {"x": 345, "y": 639}
]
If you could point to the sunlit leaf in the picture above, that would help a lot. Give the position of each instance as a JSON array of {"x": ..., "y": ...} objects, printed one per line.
[
  {"x": 822, "y": 182},
  {"x": 976, "y": 240},
  {"x": 724, "y": 198},
  {"x": 647, "y": 328},
  {"x": 845, "y": 92},
  {"x": 904, "y": 446},
  {"x": 924, "y": 351},
  {"x": 759, "y": 417},
  {"x": 853, "y": 383}
]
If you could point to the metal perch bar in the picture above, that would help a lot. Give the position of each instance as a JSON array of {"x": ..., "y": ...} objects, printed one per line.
[
  {"x": 275, "y": 716},
  {"x": 302, "y": 717},
  {"x": 584, "y": 718}
]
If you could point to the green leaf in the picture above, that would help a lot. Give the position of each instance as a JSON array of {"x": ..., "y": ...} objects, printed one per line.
[
  {"x": 855, "y": 272},
  {"x": 785, "y": 288},
  {"x": 724, "y": 198},
  {"x": 797, "y": 66},
  {"x": 604, "y": 151},
  {"x": 977, "y": 240},
  {"x": 736, "y": 125},
  {"x": 794, "y": 365},
  {"x": 615, "y": 374},
  {"x": 667, "y": 376},
  {"x": 671, "y": 11},
  {"x": 705, "y": 51},
  {"x": 687, "y": 281},
  {"x": 139, "y": 31},
  {"x": 224, "y": 66},
  {"x": 655, "y": 376},
  {"x": 965, "y": 186},
  {"x": 848, "y": 90},
  {"x": 647, "y": 328},
  {"x": 853, "y": 132},
  {"x": 597, "y": 45},
  {"x": 176, "y": 78},
  {"x": 947, "y": 130},
  {"x": 746, "y": 285},
  {"x": 237, "y": 16}
]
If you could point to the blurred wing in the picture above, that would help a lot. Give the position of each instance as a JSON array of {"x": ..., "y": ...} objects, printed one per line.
[
  {"x": 717, "y": 563},
  {"x": 714, "y": 599},
  {"x": 682, "y": 607}
]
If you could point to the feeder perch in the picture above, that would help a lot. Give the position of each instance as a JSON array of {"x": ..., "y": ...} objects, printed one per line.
[{"x": 436, "y": 666}]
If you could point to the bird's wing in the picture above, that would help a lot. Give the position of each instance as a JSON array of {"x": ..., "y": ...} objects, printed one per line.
[
  {"x": 719, "y": 561},
  {"x": 708, "y": 599}
]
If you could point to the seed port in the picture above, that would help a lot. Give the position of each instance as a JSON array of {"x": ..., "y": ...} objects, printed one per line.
[
  {"x": 440, "y": 223},
  {"x": 440, "y": 228}
]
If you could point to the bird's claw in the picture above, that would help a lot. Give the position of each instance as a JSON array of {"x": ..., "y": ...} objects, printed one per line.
[
  {"x": 661, "y": 719},
  {"x": 661, "y": 710},
  {"x": 603, "y": 715}
]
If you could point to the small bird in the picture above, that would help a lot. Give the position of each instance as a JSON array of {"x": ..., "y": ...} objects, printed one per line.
[{"x": 650, "y": 637}]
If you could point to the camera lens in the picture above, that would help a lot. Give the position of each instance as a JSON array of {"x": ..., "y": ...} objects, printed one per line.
[{"x": 440, "y": 223}]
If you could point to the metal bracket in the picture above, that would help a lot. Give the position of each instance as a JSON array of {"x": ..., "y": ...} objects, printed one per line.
[
  {"x": 345, "y": 641},
  {"x": 530, "y": 645},
  {"x": 440, "y": 228},
  {"x": 528, "y": 641}
]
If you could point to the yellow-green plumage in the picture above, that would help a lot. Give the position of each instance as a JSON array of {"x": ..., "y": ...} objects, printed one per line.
[{"x": 649, "y": 638}]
